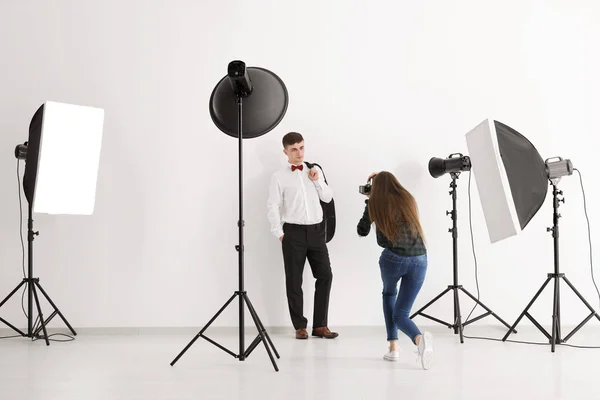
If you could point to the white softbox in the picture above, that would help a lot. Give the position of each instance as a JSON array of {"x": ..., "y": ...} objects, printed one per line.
[
  {"x": 511, "y": 177},
  {"x": 63, "y": 156}
]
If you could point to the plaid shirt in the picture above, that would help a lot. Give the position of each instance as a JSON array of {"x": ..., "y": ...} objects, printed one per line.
[{"x": 407, "y": 245}]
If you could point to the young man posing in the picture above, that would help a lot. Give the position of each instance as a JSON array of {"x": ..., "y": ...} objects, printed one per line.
[{"x": 295, "y": 214}]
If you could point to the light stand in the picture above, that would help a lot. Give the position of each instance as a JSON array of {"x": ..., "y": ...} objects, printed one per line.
[
  {"x": 265, "y": 113},
  {"x": 455, "y": 287},
  {"x": 32, "y": 284},
  {"x": 512, "y": 179},
  {"x": 60, "y": 178},
  {"x": 556, "y": 336}
]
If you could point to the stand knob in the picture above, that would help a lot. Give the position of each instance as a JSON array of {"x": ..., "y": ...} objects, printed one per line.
[
  {"x": 448, "y": 212},
  {"x": 549, "y": 229},
  {"x": 563, "y": 200},
  {"x": 36, "y": 233}
]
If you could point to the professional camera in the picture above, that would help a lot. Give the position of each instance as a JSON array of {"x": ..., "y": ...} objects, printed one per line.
[{"x": 365, "y": 189}]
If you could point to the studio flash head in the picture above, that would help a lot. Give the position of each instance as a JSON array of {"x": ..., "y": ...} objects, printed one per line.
[
  {"x": 238, "y": 78},
  {"x": 558, "y": 168},
  {"x": 21, "y": 151},
  {"x": 455, "y": 163}
]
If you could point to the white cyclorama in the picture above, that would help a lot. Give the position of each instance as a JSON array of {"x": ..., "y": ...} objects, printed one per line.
[
  {"x": 68, "y": 161},
  {"x": 492, "y": 182}
]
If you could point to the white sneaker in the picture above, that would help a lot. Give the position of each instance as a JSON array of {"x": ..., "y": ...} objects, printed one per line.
[
  {"x": 392, "y": 356},
  {"x": 425, "y": 349}
]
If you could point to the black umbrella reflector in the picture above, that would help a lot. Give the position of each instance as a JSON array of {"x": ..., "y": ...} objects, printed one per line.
[{"x": 264, "y": 105}]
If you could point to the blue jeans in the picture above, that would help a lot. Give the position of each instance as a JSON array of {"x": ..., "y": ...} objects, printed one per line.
[{"x": 412, "y": 270}]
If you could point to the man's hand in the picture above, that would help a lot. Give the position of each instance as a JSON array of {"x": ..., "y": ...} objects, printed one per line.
[
  {"x": 281, "y": 238},
  {"x": 313, "y": 174}
]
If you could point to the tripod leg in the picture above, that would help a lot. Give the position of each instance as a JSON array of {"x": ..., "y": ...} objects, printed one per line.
[
  {"x": 558, "y": 324},
  {"x": 431, "y": 302},
  {"x": 253, "y": 345},
  {"x": 456, "y": 311},
  {"x": 261, "y": 331},
  {"x": 555, "y": 333},
  {"x": 465, "y": 291},
  {"x": 581, "y": 298},
  {"x": 512, "y": 328},
  {"x": 260, "y": 324},
  {"x": 458, "y": 327},
  {"x": 37, "y": 283},
  {"x": 15, "y": 290},
  {"x": 42, "y": 322},
  {"x": 205, "y": 328},
  {"x": 14, "y": 328},
  {"x": 592, "y": 314}
]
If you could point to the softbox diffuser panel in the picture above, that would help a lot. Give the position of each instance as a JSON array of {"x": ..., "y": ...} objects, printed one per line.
[
  {"x": 33, "y": 149},
  {"x": 64, "y": 179},
  {"x": 510, "y": 177},
  {"x": 526, "y": 172},
  {"x": 492, "y": 183}
]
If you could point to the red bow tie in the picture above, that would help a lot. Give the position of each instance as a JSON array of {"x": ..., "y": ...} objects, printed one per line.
[{"x": 295, "y": 167}]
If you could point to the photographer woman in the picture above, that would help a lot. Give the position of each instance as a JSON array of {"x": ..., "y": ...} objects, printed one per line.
[{"x": 404, "y": 257}]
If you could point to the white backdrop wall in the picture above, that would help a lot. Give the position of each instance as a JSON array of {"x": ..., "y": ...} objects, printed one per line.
[{"x": 378, "y": 85}]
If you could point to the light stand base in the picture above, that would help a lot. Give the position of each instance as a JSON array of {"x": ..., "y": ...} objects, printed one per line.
[
  {"x": 458, "y": 326},
  {"x": 263, "y": 336},
  {"x": 556, "y": 336},
  {"x": 33, "y": 284}
]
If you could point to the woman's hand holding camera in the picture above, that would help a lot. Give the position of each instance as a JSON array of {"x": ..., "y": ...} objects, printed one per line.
[{"x": 369, "y": 182}]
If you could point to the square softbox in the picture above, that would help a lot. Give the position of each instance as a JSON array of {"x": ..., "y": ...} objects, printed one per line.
[
  {"x": 62, "y": 158},
  {"x": 511, "y": 177}
]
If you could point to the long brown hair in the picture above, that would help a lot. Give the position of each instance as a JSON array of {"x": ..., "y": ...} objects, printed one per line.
[{"x": 391, "y": 205}]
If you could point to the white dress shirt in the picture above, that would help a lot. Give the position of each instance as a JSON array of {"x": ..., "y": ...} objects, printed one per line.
[{"x": 294, "y": 198}]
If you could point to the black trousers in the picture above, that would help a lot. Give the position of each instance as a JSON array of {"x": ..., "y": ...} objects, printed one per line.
[{"x": 302, "y": 242}]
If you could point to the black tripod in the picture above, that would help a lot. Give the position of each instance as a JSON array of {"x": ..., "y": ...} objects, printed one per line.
[
  {"x": 263, "y": 336},
  {"x": 32, "y": 284},
  {"x": 555, "y": 338},
  {"x": 455, "y": 287}
]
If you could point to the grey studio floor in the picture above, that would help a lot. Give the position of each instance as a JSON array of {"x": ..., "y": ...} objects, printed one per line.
[{"x": 135, "y": 364}]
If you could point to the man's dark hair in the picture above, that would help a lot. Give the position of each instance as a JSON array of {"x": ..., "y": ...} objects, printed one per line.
[{"x": 291, "y": 139}]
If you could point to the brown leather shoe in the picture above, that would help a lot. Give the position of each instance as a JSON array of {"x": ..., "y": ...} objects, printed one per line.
[
  {"x": 301, "y": 333},
  {"x": 324, "y": 332}
]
